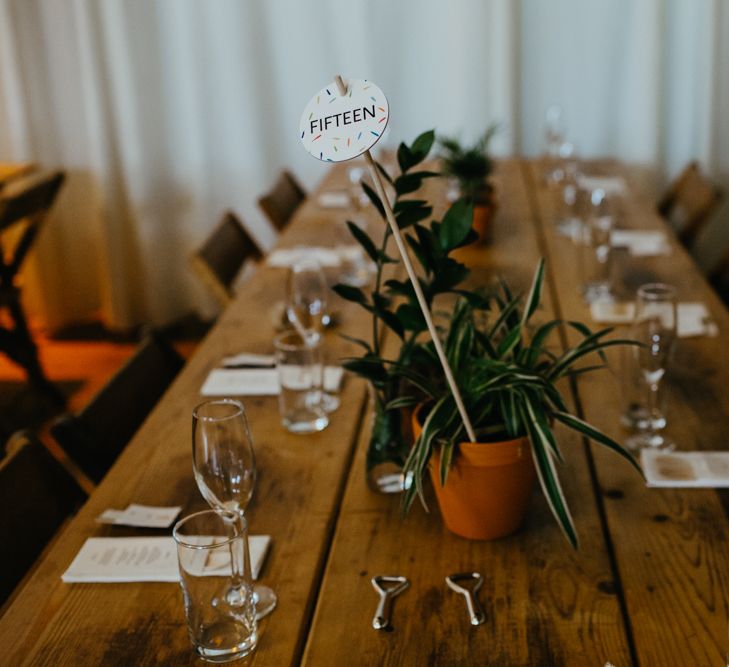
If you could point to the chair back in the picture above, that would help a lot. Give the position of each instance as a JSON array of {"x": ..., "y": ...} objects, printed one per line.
[
  {"x": 220, "y": 259},
  {"x": 689, "y": 202},
  {"x": 96, "y": 436},
  {"x": 28, "y": 199},
  {"x": 37, "y": 495},
  {"x": 282, "y": 200}
]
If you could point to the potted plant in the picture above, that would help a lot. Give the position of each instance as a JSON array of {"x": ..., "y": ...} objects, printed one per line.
[
  {"x": 471, "y": 166},
  {"x": 508, "y": 377},
  {"x": 393, "y": 305}
]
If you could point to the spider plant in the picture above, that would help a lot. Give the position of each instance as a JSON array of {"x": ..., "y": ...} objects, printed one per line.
[
  {"x": 508, "y": 376},
  {"x": 469, "y": 165}
]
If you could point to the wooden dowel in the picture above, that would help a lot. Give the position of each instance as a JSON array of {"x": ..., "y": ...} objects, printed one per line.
[{"x": 405, "y": 254}]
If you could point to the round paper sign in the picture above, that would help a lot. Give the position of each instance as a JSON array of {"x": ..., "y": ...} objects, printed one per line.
[{"x": 338, "y": 127}]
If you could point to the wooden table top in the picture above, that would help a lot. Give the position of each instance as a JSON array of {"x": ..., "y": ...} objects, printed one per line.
[{"x": 648, "y": 585}]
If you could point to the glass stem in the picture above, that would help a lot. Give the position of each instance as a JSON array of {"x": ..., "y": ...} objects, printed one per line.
[{"x": 652, "y": 410}]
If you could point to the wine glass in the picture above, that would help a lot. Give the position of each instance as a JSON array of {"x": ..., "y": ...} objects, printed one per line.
[
  {"x": 655, "y": 329},
  {"x": 306, "y": 309},
  {"x": 596, "y": 246},
  {"x": 225, "y": 468}
]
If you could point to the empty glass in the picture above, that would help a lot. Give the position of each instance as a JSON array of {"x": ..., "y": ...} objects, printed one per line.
[
  {"x": 555, "y": 132},
  {"x": 300, "y": 372},
  {"x": 655, "y": 329},
  {"x": 225, "y": 467},
  {"x": 307, "y": 310},
  {"x": 595, "y": 248},
  {"x": 212, "y": 552}
]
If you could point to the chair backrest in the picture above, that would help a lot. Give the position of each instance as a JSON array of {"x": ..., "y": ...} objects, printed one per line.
[
  {"x": 282, "y": 200},
  {"x": 95, "y": 437},
  {"x": 688, "y": 203},
  {"x": 36, "y": 495},
  {"x": 27, "y": 199},
  {"x": 221, "y": 257}
]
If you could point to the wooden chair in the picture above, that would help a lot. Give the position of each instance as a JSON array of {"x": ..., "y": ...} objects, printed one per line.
[
  {"x": 95, "y": 437},
  {"x": 37, "y": 495},
  {"x": 688, "y": 203},
  {"x": 219, "y": 260},
  {"x": 282, "y": 200},
  {"x": 24, "y": 202}
]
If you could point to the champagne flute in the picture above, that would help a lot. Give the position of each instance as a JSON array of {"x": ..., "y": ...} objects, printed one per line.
[
  {"x": 306, "y": 309},
  {"x": 225, "y": 468},
  {"x": 655, "y": 328}
]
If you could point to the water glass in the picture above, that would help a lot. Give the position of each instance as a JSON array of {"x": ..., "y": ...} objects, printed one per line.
[
  {"x": 306, "y": 296},
  {"x": 212, "y": 552},
  {"x": 655, "y": 329},
  {"x": 300, "y": 371}
]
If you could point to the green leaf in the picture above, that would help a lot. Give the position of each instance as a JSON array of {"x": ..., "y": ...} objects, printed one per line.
[
  {"x": 446, "y": 456},
  {"x": 351, "y": 293},
  {"x": 412, "y": 181},
  {"x": 364, "y": 240},
  {"x": 598, "y": 436},
  {"x": 535, "y": 293},
  {"x": 369, "y": 368},
  {"x": 456, "y": 224},
  {"x": 405, "y": 158},
  {"x": 549, "y": 481},
  {"x": 375, "y": 199},
  {"x": 384, "y": 173},
  {"x": 409, "y": 211},
  {"x": 357, "y": 341},
  {"x": 402, "y": 402},
  {"x": 541, "y": 426},
  {"x": 509, "y": 342},
  {"x": 411, "y": 317},
  {"x": 422, "y": 145}
]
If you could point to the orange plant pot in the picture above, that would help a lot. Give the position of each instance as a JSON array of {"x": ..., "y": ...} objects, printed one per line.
[
  {"x": 488, "y": 489},
  {"x": 483, "y": 219}
]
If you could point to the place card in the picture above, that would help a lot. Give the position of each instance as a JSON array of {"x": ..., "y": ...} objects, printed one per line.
[
  {"x": 612, "y": 185},
  {"x": 247, "y": 360},
  {"x": 128, "y": 559},
  {"x": 685, "y": 469},
  {"x": 641, "y": 243},
  {"x": 335, "y": 199},
  {"x": 258, "y": 382},
  {"x": 694, "y": 318},
  {"x": 141, "y": 516}
]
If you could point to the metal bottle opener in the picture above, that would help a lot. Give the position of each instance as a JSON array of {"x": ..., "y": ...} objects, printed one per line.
[
  {"x": 475, "y": 611},
  {"x": 387, "y": 588}
]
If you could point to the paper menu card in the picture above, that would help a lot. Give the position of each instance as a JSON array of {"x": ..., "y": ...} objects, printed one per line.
[
  {"x": 143, "y": 516},
  {"x": 685, "y": 469},
  {"x": 335, "y": 199},
  {"x": 612, "y": 185},
  {"x": 693, "y": 316},
  {"x": 258, "y": 382},
  {"x": 127, "y": 559},
  {"x": 326, "y": 257},
  {"x": 641, "y": 243}
]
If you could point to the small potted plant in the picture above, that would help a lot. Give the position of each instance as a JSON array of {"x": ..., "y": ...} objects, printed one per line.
[
  {"x": 471, "y": 167},
  {"x": 393, "y": 305},
  {"x": 508, "y": 378}
]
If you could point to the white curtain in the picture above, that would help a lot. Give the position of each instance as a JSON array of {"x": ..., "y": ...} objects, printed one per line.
[{"x": 166, "y": 112}]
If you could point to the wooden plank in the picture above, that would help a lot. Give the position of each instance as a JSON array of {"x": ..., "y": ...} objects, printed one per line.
[
  {"x": 298, "y": 493},
  {"x": 545, "y": 604},
  {"x": 11, "y": 170},
  {"x": 670, "y": 545}
]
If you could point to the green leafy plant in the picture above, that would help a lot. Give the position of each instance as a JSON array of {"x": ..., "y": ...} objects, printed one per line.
[
  {"x": 469, "y": 165},
  {"x": 508, "y": 377},
  {"x": 391, "y": 301}
]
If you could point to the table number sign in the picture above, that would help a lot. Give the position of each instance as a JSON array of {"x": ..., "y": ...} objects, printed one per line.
[
  {"x": 342, "y": 121},
  {"x": 336, "y": 127}
]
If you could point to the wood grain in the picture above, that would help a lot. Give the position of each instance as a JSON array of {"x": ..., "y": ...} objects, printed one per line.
[
  {"x": 670, "y": 545},
  {"x": 11, "y": 170},
  {"x": 545, "y": 604}
]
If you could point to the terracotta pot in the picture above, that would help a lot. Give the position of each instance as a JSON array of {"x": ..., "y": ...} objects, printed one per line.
[
  {"x": 488, "y": 489},
  {"x": 483, "y": 215}
]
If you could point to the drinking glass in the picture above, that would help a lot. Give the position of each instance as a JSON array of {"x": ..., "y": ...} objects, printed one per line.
[
  {"x": 554, "y": 138},
  {"x": 225, "y": 468},
  {"x": 306, "y": 309},
  {"x": 655, "y": 329},
  {"x": 598, "y": 223},
  {"x": 212, "y": 552},
  {"x": 300, "y": 372}
]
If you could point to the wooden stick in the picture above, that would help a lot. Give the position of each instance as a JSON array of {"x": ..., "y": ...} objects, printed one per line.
[{"x": 405, "y": 254}]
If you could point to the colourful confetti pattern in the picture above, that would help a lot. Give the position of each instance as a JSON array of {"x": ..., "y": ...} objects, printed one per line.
[{"x": 335, "y": 128}]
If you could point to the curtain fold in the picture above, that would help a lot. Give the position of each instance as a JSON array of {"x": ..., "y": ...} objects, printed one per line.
[{"x": 167, "y": 112}]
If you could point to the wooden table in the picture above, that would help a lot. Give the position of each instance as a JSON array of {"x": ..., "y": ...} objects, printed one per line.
[{"x": 648, "y": 585}]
